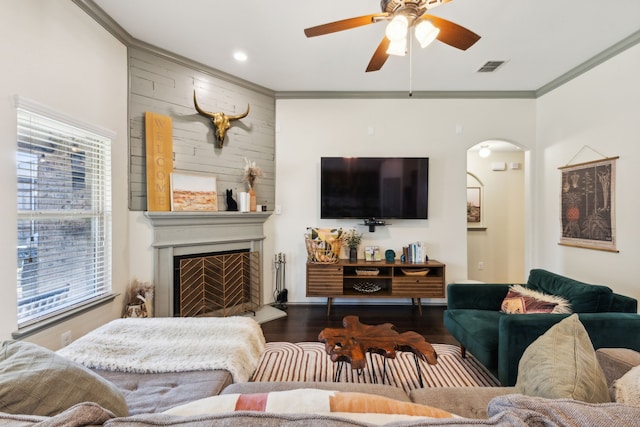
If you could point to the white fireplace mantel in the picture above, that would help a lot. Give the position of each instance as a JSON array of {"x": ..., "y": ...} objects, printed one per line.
[{"x": 191, "y": 233}]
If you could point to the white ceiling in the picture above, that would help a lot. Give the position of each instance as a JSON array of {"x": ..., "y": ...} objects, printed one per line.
[{"x": 541, "y": 40}]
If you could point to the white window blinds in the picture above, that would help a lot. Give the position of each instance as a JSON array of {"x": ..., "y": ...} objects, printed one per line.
[{"x": 64, "y": 216}]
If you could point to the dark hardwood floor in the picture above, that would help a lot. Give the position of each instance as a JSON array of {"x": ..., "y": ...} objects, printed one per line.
[{"x": 304, "y": 322}]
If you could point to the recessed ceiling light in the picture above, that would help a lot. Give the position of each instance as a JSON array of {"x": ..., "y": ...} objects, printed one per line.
[{"x": 240, "y": 56}]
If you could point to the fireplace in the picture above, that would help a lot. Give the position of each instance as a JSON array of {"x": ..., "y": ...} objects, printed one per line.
[
  {"x": 184, "y": 235},
  {"x": 216, "y": 284}
]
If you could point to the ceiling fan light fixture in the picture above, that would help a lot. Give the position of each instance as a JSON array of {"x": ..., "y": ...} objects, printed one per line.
[
  {"x": 397, "y": 47},
  {"x": 397, "y": 28},
  {"x": 426, "y": 33}
]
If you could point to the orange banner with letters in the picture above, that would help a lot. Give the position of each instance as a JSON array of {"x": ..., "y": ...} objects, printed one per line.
[{"x": 159, "y": 142}]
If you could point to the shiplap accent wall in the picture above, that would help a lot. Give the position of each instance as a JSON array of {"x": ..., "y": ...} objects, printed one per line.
[{"x": 163, "y": 86}]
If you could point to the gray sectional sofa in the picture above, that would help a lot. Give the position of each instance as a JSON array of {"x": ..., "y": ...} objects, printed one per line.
[{"x": 148, "y": 395}]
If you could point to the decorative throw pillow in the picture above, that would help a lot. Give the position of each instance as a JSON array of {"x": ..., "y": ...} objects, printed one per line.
[
  {"x": 562, "y": 364},
  {"x": 36, "y": 381},
  {"x": 522, "y": 300},
  {"x": 360, "y": 406},
  {"x": 627, "y": 388}
]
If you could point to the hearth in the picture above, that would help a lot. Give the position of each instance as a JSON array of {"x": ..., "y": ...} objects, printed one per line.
[{"x": 192, "y": 234}]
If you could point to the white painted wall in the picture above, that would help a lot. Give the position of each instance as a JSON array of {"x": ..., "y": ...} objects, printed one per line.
[
  {"x": 595, "y": 115},
  {"x": 500, "y": 246},
  {"x": 55, "y": 54},
  {"x": 309, "y": 129}
]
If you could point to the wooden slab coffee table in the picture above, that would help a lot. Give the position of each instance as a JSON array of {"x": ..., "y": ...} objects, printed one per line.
[{"x": 351, "y": 343}]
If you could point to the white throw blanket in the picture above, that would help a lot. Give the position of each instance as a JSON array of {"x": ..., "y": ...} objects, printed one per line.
[{"x": 172, "y": 344}]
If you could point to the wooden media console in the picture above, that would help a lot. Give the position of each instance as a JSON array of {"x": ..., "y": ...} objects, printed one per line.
[{"x": 376, "y": 279}]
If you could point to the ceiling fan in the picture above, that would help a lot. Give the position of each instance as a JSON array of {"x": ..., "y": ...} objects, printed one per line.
[{"x": 402, "y": 16}]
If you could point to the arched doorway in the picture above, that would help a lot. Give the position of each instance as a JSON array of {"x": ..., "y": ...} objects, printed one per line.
[{"x": 496, "y": 226}]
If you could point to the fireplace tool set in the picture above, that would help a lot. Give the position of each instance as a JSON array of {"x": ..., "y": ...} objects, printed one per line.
[{"x": 280, "y": 294}]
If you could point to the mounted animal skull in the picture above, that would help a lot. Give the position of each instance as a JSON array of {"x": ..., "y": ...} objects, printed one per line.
[{"x": 221, "y": 121}]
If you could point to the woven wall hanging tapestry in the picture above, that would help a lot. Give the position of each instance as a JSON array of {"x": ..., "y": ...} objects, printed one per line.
[{"x": 588, "y": 205}]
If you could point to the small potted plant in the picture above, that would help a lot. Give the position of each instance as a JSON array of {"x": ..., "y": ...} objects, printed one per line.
[{"x": 352, "y": 239}]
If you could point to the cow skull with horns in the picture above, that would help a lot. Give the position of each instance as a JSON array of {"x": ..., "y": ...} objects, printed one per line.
[{"x": 221, "y": 121}]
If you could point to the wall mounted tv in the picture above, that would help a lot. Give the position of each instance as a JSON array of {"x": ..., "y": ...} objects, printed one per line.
[{"x": 372, "y": 188}]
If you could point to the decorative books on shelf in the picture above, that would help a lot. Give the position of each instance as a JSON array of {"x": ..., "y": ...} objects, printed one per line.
[{"x": 415, "y": 252}]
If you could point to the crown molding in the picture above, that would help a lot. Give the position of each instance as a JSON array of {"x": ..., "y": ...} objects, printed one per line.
[
  {"x": 603, "y": 56},
  {"x": 102, "y": 18},
  {"x": 406, "y": 95}
]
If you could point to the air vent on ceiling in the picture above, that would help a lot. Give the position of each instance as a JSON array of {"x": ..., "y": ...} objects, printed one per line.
[{"x": 490, "y": 66}]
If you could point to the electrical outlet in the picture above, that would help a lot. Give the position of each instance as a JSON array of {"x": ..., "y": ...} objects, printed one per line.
[
  {"x": 480, "y": 265},
  {"x": 65, "y": 338}
]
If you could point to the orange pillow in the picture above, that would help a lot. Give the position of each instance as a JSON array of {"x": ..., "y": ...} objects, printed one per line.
[{"x": 314, "y": 401}]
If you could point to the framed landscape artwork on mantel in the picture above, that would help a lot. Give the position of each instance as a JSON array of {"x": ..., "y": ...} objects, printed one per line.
[
  {"x": 193, "y": 192},
  {"x": 588, "y": 205}
]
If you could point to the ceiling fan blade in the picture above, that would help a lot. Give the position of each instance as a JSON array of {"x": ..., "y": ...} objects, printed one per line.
[
  {"x": 379, "y": 56},
  {"x": 453, "y": 34},
  {"x": 345, "y": 24}
]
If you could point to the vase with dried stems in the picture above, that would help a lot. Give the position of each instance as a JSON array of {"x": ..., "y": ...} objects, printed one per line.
[{"x": 251, "y": 172}]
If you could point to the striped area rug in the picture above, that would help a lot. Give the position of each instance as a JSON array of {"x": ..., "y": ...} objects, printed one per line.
[{"x": 308, "y": 361}]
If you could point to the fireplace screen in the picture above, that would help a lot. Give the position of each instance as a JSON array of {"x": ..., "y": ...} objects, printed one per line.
[{"x": 219, "y": 284}]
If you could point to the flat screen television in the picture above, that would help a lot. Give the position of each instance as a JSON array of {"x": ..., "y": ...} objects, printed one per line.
[{"x": 374, "y": 187}]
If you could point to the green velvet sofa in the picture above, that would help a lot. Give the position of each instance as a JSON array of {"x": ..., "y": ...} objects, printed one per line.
[{"x": 498, "y": 340}]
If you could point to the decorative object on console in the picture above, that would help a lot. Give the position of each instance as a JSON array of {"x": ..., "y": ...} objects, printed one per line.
[
  {"x": 251, "y": 172},
  {"x": 372, "y": 253},
  {"x": 221, "y": 121},
  {"x": 367, "y": 271},
  {"x": 232, "y": 205},
  {"x": 366, "y": 287},
  {"x": 390, "y": 255},
  {"x": 416, "y": 252},
  {"x": 352, "y": 239},
  {"x": 323, "y": 244},
  {"x": 415, "y": 271},
  {"x": 522, "y": 300}
]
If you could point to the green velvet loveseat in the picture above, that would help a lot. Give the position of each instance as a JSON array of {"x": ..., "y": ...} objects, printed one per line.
[{"x": 498, "y": 339}]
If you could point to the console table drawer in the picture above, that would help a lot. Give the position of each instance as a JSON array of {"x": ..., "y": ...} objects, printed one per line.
[
  {"x": 426, "y": 287},
  {"x": 324, "y": 279}
]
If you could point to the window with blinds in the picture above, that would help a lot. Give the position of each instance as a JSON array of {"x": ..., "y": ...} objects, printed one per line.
[{"x": 64, "y": 216}]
